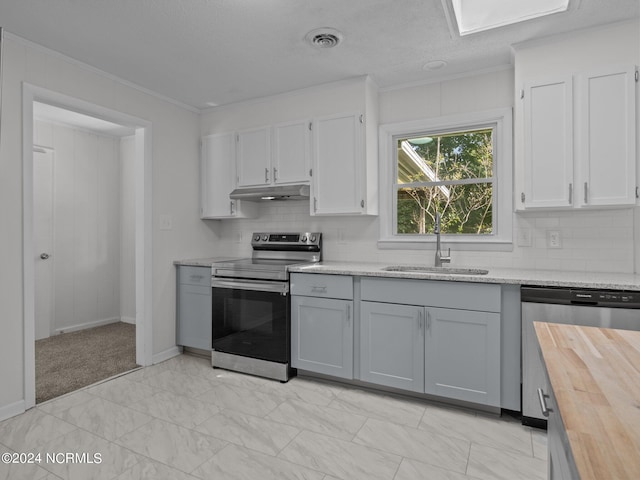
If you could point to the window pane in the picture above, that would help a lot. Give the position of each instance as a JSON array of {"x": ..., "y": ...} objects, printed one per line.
[
  {"x": 463, "y": 209},
  {"x": 454, "y": 156}
]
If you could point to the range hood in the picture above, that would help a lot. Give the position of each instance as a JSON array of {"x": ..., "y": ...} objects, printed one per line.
[{"x": 280, "y": 192}]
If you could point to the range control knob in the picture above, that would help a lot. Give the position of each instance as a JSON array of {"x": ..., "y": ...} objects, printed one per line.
[
  {"x": 312, "y": 238},
  {"x": 264, "y": 238},
  {"x": 303, "y": 238},
  {"x": 256, "y": 238}
]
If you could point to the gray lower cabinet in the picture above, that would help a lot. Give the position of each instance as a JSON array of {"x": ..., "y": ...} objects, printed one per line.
[
  {"x": 322, "y": 335},
  {"x": 193, "y": 309},
  {"x": 462, "y": 355},
  {"x": 392, "y": 345}
]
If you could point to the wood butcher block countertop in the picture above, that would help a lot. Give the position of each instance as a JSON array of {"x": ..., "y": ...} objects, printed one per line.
[{"x": 595, "y": 375}]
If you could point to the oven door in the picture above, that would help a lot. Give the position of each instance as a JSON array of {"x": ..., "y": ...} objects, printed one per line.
[{"x": 251, "y": 318}]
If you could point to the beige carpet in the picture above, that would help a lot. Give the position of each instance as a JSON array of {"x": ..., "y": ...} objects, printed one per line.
[{"x": 70, "y": 361}]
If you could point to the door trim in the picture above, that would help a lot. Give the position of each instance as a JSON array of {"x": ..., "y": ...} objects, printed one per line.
[{"x": 143, "y": 206}]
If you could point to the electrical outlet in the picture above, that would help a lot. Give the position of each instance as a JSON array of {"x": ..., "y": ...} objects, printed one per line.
[
  {"x": 554, "y": 240},
  {"x": 524, "y": 237}
]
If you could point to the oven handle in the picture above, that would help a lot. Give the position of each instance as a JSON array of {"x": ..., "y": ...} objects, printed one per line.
[{"x": 277, "y": 287}]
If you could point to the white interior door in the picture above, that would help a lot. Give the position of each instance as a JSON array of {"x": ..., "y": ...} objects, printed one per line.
[{"x": 43, "y": 240}]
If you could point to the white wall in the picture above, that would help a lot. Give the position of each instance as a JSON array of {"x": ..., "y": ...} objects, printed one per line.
[
  {"x": 86, "y": 236},
  {"x": 175, "y": 137},
  {"x": 127, "y": 231},
  {"x": 591, "y": 240}
]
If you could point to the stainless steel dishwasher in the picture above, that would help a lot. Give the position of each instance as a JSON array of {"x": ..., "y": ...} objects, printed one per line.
[{"x": 594, "y": 308}]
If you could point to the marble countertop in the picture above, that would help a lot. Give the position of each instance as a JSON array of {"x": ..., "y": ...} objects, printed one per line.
[
  {"x": 549, "y": 278},
  {"x": 593, "y": 373},
  {"x": 202, "y": 262}
]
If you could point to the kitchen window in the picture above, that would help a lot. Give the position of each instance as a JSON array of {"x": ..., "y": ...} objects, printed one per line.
[{"x": 457, "y": 166}]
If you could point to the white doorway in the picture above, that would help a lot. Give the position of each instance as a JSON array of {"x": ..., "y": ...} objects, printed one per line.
[
  {"x": 36, "y": 271},
  {"x": 43, "y": 239}
]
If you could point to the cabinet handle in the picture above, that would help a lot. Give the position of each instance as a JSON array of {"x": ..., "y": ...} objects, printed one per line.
[
  {"x": 231, "y": 207},
  {"x": 348, "y": 314},
  {"x": 586, "y": 198},
  {"x": 543, "y": 403},
  {"x": 420, "y": 320},
  {"x": 319, "y": 289},
  {"x": 428, "y": 322},
  {"x": 570, "y": 193},
  {"x": 362, "y": 203},
  {"x": 275, "y": 174},
  {"x": 266, "y": 175},
  {"x": 315, "y": 204},
  {"x": 197, "y": 277}
]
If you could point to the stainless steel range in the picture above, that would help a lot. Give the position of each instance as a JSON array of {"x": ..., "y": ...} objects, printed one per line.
[{"x": 251, "y": 310}]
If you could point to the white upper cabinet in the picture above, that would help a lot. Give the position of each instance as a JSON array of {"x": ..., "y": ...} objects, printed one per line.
[
  {"x": 548, "y": 123},
  {"x": 606, "y": 140},
  {"x": 218, "y": 179},
  {"x": 580, "y": 140},
  {"x": 324, "y": 136},
  {"x": 344, "y": 180},
  {"x": 253, "y": 160},
  {"x": 291, "y": 152},
  {"x": 273, "y": 155},
  {"x": 336, "y": 159}
]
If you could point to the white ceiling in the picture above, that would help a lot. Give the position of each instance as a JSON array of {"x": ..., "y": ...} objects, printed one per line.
[{"x": 223, "y": 51}]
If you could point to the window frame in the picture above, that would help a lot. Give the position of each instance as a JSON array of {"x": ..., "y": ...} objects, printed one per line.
[{"x": 500, "y": 120}]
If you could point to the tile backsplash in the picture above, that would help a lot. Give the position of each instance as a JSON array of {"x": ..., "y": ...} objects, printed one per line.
[{"x": 577, "y": 240}]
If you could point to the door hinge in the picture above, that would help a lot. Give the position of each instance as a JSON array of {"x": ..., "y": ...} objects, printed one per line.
[
  {"x": 521, "y": 94},
  {"x": 361, "y": 118},
  {"x": 311, "y": 172},
  {"x": 637, "y": 76},
  {"x": 310, "y": 126},
  {"x": 361, "y": 203},
  {"x": 637, "y": 194},
  {"x": 522, "y": 197}
]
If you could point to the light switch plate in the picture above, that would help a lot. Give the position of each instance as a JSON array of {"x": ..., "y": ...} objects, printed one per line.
[
  {"x": 166, "y": 222},
  {"x": 554, "y": 240},
  {"x": 524, "y": 237}
]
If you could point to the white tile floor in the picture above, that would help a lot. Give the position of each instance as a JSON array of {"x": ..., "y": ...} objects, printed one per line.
[{"x": 182, "y": 419}]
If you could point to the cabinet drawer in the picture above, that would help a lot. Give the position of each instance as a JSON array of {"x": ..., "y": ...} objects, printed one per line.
[
  {"x": 320, "y": 285},
  {"x": 433, "y": 293},
  {"x": 194, "y": 276}
]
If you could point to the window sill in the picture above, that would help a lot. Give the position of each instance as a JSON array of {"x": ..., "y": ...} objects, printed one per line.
[{"x": 462, "y": 244}]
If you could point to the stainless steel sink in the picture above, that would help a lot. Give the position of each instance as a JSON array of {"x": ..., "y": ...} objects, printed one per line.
[{"x": 438, "y": 270}]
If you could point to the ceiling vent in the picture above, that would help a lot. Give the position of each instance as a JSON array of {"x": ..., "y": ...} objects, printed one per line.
[{"x": 324, "y": 37}]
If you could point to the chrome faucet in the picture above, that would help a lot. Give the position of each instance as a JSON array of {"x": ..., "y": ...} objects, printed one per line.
[{"x": 440, "y": 259}]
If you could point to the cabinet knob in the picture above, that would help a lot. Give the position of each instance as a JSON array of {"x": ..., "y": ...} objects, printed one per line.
[{"x": 44, "y": 256}]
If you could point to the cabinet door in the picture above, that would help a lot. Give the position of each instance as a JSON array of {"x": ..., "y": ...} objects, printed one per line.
[
  {"x": 607, "y": 137},
  {"x": 462, "y": 355},
  {"x": 217, "y": 177},
  {"x": 253, "y": 159},
  {"x": 194, "y": 316},
  {"x": 322, "y": 335},
  {"x": 337, "y": 165},
  {"x": 291, "y": 153},
  {"x": 548, "y": 156},
  {"x": 392, "y": 345}
]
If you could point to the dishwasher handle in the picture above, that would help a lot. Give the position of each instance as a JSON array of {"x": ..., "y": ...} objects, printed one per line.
[{"x": 542, "y": 398}]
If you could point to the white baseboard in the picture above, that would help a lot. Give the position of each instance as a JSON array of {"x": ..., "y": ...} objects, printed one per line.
[
  {"x": 130, "y": 320},
  {"x": 83, "y": 326},
  {"x": 166, "y": 355},
  {"x": 12, "y": 410}
]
